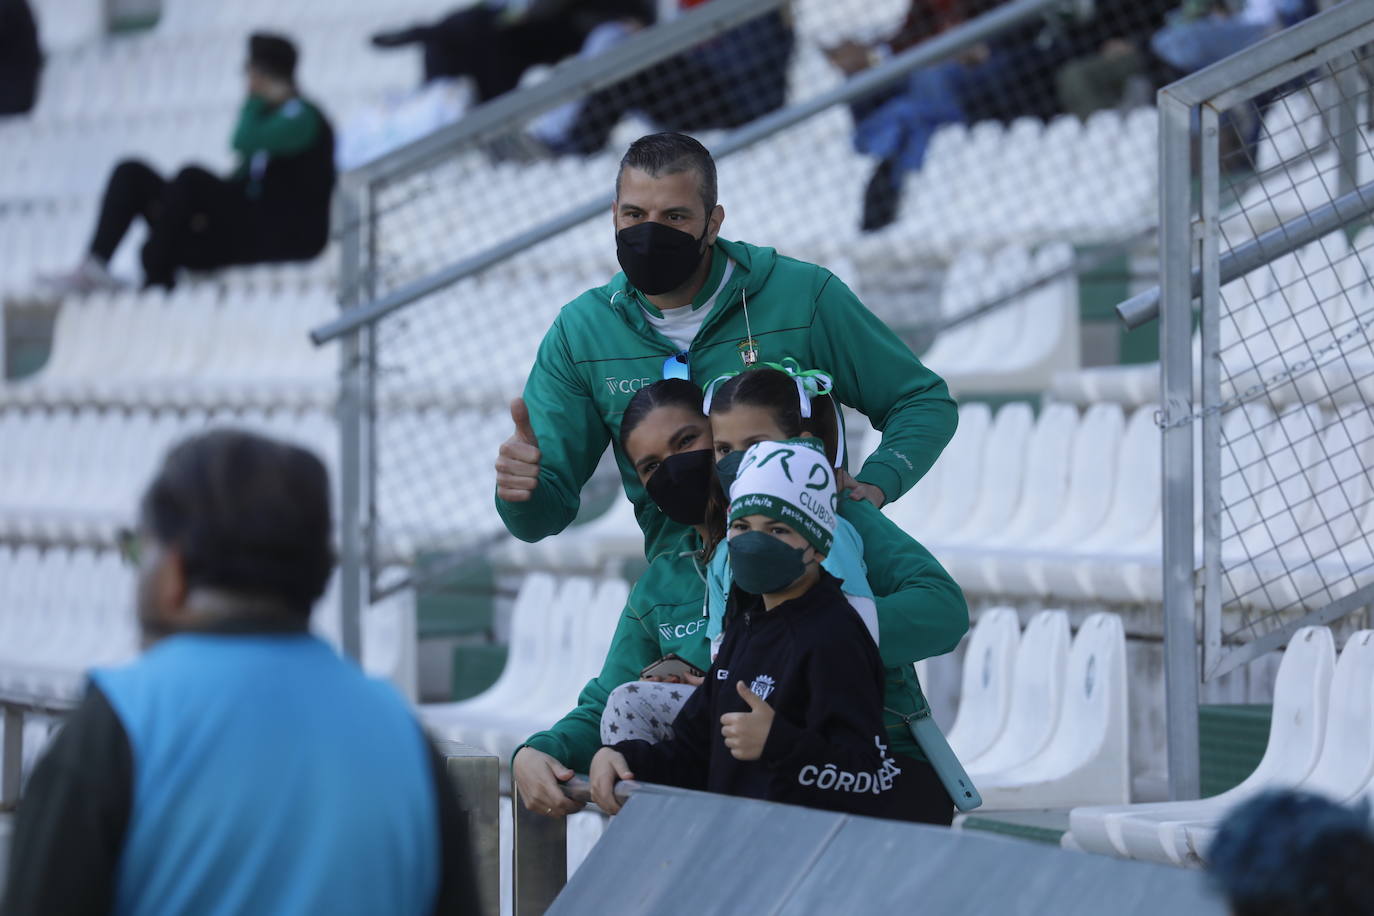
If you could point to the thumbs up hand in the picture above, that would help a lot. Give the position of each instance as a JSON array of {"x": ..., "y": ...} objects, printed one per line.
[
  {"x": 517, "y": 463},
  {"x": 746, "y": 732}
]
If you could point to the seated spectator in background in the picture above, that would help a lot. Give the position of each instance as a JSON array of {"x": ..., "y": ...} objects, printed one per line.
[
  {"x": 1110, "y": 48},
  {"x": 924, "y": 19},
  {"x": 791, "y": 710},
  {"x": 21, "y": 59},
  {"x": 274, "y": 207},
  {"x": 1290, "y": 853},
  {"x": 239, "y": 765},
  {"x": 723, "y": 83},
  {"x": 1202, "y": 32},
  {"x": 998, "y": 79},
  {"x": 496, "y": 41}
]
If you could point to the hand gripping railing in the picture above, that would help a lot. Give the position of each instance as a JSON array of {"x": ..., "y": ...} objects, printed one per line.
[{"x": 541, "y": 847}]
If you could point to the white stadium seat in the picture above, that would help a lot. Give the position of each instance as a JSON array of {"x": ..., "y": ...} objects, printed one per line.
[
  {"x": 985, "y": 695},
  {"x": 1036, "y": 693},
  {"x": 1345, "y": 766},
  {"x": 1086, "y": 759},
  {"x": 1157, "y": 831}
]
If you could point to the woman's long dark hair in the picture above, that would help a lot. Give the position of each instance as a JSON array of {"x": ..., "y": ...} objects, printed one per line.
[{"x": 775, "y": 391}]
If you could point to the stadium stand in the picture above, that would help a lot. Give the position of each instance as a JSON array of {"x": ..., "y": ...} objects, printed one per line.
[{"x": 1037, "y": 503}]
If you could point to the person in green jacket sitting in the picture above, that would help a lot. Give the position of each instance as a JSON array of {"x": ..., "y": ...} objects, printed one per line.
[
  {"x": 274, "y": 207},
  {"x": 920, "y": 611}
]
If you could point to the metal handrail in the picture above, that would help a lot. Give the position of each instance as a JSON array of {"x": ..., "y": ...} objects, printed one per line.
[
  {"x": 940, "y": 48},
  {"x": 1277, "y": 242},
  {"x": 13, "y": 707}
]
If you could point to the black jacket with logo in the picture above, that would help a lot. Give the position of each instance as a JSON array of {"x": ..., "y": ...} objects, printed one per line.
[{"x": 814, "y": 663}]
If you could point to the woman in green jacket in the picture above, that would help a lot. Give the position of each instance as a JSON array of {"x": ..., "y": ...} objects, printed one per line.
[{"x": 921, "y": 611}]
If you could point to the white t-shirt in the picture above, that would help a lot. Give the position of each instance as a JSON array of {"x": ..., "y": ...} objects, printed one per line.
[{"x": 680, "y": 325}]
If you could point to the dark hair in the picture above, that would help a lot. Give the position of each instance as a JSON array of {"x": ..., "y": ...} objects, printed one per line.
[
  {"x": 776, "y": 391},
  {"x": 1286, "y": 852},
  {"x": 247, "y": 514},
  {"x": 668, "y": 392},
  {"x": 274, "y": 55},
  {"x": 669, "y": 153}
]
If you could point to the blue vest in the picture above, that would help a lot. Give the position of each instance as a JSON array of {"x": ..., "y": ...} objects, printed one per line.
[{"x": 271, "y": 776}]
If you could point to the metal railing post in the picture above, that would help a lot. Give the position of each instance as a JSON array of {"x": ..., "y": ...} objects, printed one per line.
[
  {"x": 539, "y": 864},
  {"x": 352, "y": 394},
  {"x": 1177, "y": 245},
  {"x": 1346, "y": 130},
  {"x": 11, "y": 756},
  {"x": 476, "y": 778},
  {"x": 1209, "y": 197}
]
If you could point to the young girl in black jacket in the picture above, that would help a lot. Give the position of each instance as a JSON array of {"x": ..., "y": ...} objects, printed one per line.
[{"x": 791, "y": 708}]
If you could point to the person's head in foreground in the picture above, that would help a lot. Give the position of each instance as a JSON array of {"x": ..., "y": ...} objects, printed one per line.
[
  {"x": 1290, "y": 853},
  {"x": 234, "y": 531},
  {"x": 271, "y": 67},
  {"x": 666, "y": 216},
  {"x": 782, "y": 518}
]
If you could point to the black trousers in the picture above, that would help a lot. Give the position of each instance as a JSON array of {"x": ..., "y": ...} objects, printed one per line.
[
  {"x": 470, "y": 43},
  {"x": 197, "y": 220},
  {"x": 919, "y": 796}
]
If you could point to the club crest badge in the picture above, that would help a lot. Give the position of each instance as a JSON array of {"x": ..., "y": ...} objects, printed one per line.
[{"x": 762, "y": 686}]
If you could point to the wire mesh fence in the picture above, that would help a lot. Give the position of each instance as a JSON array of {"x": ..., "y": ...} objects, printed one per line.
[
  {"x": 1036, "y": 133},
  {"x": 1284, "y": 370}
]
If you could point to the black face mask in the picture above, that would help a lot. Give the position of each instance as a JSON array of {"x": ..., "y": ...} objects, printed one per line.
[
  {"x": 658, "y": 258},
  {"x": 680, "y": 486}
]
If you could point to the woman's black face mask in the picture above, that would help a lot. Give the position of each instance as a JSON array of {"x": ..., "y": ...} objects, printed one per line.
[{"x": 680, "y": 486}]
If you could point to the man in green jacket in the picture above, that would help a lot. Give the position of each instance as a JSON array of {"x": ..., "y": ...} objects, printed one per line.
[
  {"x": 274, "y": 207},
  {"x": 691, "y": 304}
]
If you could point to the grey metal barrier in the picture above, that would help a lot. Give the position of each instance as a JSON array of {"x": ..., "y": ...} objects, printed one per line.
[
  {"x": 476, "y": 778},
  {"x": 541, "y": 848},
  {"x": 1268, "y": 435},
  {"x": 459, "y": 250}
]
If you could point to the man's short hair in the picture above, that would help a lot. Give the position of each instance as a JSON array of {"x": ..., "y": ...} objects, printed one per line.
[
  {"x": 247, "y": 514},
  {"x": 669, "y": 153}
]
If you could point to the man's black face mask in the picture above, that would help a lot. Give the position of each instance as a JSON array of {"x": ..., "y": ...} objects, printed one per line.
[{"x": 657, "y": 258}]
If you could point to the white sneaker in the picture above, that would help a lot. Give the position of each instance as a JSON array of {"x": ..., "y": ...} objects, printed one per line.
[{"x": 89, "y": 276}]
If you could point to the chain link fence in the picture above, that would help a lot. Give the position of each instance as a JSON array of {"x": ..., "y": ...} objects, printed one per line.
[
  {"x": 1294, "y": 371},
  {"x": 880, "y": 139}
]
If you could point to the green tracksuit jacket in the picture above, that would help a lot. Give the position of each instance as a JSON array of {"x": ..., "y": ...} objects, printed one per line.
[
  {"x": 921, "y": 613},
  {"x": 601, "y": 350}
]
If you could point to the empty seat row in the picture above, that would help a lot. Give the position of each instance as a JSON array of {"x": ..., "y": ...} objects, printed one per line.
[
  {"x": 986, "y": 185},
  {"x": 65, "y": 611},
  {"x": 1321, "y": 740},
  {"x": 73, "y": 476},
  {"x": 1042, "y": 722},
  {"x": 1017, "y": 347},
  {"x": 1067, "y": 506},
  {"x": 194, "y": 348},
  {"x": 560, "y": 632},
  {"x": 1295, "y": 330}
]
